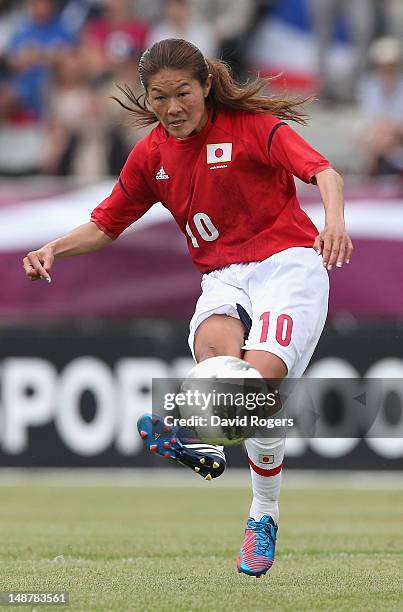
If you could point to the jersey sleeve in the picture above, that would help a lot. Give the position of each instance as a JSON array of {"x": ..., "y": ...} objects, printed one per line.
[
  {"x": 131, "y": 197},
  {"x": 287, "y": 149}
]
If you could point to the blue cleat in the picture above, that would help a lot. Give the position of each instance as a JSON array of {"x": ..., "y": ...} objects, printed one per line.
[
  {"x": 257, "y": 553},
  {"x": 205, "y": 459}
]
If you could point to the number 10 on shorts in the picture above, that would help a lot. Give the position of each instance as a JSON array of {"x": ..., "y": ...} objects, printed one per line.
[{"x": 284, "y": 325}]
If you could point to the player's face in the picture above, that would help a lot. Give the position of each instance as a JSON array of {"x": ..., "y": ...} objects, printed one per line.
[{"x": 179, "y": 101}]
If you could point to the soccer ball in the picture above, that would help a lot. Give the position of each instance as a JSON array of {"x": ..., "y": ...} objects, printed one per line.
[{"x": 219, "y": 404}]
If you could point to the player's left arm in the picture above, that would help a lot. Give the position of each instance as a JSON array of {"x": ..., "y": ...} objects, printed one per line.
[
  {"x": 333, "y": 242},
  {"x": 287, "y": 149}
]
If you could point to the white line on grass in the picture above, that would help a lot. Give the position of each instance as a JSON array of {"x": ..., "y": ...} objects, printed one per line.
[{"x": 167, "y": 478}]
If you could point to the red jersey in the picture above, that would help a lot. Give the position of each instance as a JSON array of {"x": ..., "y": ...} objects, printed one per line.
[{"x": 230, "y": 188}]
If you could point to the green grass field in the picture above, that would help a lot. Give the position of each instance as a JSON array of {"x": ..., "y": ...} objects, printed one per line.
[{"x": 147, "y": 548}]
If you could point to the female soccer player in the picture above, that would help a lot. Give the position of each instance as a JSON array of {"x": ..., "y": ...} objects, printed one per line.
[{"x": 222, "y": 160}]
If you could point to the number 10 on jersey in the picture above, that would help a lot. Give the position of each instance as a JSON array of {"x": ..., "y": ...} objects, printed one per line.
[
  {"x": 284, "y": 327},
  {"x": 205, "y": 228}
]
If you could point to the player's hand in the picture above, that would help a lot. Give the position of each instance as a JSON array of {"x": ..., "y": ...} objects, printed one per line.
[
  {"x": 335, "y": 246},
  {"x": 37, "y": 264}
]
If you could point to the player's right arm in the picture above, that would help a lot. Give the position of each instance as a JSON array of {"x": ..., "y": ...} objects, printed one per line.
[
  {"x": 84, "y": 239},
  {"x": 131, "y": 197}
]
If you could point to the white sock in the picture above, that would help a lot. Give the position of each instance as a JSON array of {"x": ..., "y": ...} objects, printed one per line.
[{"x": 266, "y": 461}]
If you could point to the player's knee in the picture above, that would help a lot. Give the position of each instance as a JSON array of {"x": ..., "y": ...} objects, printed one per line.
[
  {"x": 219, "y": 335},
  {"x": 215, "y": 347},
  {"x": 205, "y": 351}
]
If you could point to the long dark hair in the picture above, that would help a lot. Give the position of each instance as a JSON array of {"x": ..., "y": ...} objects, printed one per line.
[{"x": 225, "y": 93}]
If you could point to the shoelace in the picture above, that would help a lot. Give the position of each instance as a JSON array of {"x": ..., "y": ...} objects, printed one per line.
[{"x": 264, "y": 536}]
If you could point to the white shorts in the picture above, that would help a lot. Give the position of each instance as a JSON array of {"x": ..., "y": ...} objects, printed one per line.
[{"x": 285, "y": 296}]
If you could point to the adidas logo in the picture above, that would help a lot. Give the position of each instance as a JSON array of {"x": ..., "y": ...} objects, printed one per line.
[{"x": 161, "y": 174}]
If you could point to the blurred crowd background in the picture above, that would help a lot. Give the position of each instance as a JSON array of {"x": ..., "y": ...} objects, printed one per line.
[{"x": 61, "y": 59}]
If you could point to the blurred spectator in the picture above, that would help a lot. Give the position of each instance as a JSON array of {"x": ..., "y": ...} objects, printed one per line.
[
  {"x": 86, "y": 132},
  {"x": 230, "y": 22},
  {"x": 111, "y": 48},
  {"x": 111, "y": 39},
  {"x": 178, "y": 21},
  {"x": 380, "y": 97},
  {"x": 120, "y": 136},
  {"x": 76, "y": 12},
  {"x": 361, "y": 21},
  {"x": 393, "y": 17},
  {"x": 10, "y": 16},
  {"x": 73, "y": 122},
  {"x": 39, "y": 42}
]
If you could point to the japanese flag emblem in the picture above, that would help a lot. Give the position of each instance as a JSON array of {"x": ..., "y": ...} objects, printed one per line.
[
  {"x": 219, "y": 153},
  {"x": 266, "y": 459}
]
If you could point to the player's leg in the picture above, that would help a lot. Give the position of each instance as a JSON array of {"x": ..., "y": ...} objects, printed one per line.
[
  {"x": 219, "y": 334},
  {"x": 214, "y": 330},
  {"x": 289, "y": 294},
  {"x": 265, "y": 458}
]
